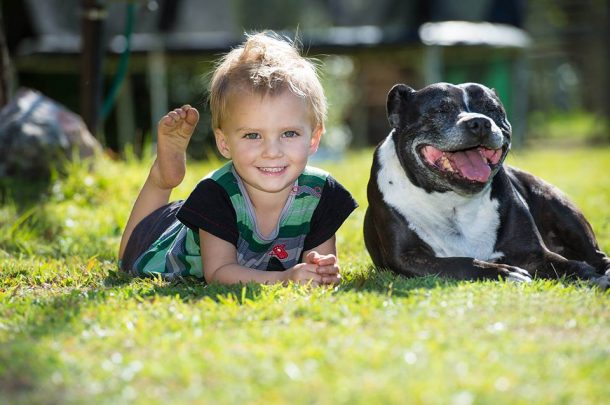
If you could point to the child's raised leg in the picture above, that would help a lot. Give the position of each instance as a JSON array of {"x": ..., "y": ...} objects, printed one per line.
[{"x": 173, "y": 134}]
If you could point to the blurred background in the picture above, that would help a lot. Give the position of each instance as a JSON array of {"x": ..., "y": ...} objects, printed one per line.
[{"x": 122, "y": 64}]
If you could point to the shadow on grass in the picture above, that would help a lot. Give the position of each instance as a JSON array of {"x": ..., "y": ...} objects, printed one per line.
[
  {"x": 28, "y": 218},
  {"x": 374, "y": 280},
  {"x": 186, "y": 289},
  {"x": 386, "y": 282},
  {"x": 24, "y": 193}
]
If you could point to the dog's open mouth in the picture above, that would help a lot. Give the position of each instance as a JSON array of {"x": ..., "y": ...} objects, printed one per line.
[{"x": 473, "y": 164}]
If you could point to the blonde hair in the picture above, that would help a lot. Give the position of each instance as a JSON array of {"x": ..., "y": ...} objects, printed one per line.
[{"x": 266, "y": 64}]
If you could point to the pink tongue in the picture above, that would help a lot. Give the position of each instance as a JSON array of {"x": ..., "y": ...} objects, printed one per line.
[{"x": 471, "y": 165}]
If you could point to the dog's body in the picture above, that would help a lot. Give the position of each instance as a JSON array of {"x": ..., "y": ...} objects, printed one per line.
[{"x": 441, "y": 201}]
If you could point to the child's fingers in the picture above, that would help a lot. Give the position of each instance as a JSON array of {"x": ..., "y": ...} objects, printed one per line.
[
  {"x": 308, "y": 273},
  {"x": 331, "y": 270},
  {"x": 326, "y": 260},
  {"x": 312, "y": 257},
  {"x": 305, "y": 272},
  {"x": 320, "y": 260}
]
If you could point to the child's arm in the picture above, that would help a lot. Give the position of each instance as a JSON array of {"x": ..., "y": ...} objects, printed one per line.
[{"x": 220, "y": 265}]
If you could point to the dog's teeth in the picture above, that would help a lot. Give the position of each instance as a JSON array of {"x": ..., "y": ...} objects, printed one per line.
[{"x": 445, "y": 164}]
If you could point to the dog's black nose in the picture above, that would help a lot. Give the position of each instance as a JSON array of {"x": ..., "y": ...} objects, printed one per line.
[{"x": 479, "y": 126}]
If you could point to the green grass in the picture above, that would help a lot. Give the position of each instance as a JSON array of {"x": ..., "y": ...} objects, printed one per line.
[{"x": 74, "y": 330}]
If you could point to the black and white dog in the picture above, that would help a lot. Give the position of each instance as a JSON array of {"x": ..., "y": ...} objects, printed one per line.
[{"x": 441, "y": 202}]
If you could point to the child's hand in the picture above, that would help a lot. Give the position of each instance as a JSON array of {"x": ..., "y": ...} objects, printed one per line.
[
  {"x": 304, "y": 273},
  {"x": 327, "y": 267},
  {"x": 317, "y": 269}
]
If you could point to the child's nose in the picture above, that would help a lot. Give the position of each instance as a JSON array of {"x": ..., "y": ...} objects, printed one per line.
[{"x": 272, "y": 148}]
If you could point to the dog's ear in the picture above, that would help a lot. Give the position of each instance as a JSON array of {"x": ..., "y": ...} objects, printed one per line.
[{"x": 398, "y": 98}]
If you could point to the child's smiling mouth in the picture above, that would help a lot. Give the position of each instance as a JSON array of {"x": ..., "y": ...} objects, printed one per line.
[{"x": 272, "y": 170}]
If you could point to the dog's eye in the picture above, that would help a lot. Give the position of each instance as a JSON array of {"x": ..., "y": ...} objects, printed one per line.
[
  {"x": 444, "y": 107},
  {"x": 491, "y": 107}
]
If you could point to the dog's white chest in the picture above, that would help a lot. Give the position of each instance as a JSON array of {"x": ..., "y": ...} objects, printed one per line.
[{"x": 452, "y": 225}]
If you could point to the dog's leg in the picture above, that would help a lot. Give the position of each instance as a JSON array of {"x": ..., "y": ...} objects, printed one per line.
[
  {"x": 562, "y": 226},
  {"x": 459, "y": 268},
  {"x": 551, "y": 265}
]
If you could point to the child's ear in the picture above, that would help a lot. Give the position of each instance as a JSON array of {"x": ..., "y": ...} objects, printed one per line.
[
  {"x": 221, "y": 143},
  {"x": 315, "y": 139}
]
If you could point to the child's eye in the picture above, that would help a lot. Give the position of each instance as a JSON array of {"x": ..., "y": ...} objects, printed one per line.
[
  {"x": 290, "y": 134},
  {"x": 251, "y": 135}
]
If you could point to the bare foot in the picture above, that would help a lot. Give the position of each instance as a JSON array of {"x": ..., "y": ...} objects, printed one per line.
[{"x": 173, "y": 135}]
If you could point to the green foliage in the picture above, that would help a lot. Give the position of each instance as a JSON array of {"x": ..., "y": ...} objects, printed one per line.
[
  {"x": 74, "y": 329},
  {"x": 568, "y": 128}
]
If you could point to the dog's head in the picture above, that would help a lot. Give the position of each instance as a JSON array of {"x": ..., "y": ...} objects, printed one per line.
[{"x": 449, "y": 138}]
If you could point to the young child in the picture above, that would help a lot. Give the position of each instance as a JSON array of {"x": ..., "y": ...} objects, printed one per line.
[{"x": 265, "y": 216}]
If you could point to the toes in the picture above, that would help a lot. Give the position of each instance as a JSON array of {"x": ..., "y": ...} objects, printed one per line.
[
  {"x": 167, "y": 120},
  {"x": 192, "y": 116},
  {"x": 178, "y": 114},
  {"x": 186, "y": 112},
  {"x": 182, "y": 119},
  {"x": 173, "y": 118}
]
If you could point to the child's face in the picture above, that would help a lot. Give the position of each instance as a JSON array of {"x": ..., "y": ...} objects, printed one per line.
[{"x": 269, "y": 138}]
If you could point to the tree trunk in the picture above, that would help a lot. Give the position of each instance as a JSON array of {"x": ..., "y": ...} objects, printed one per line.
[
  {"x": 5, "y": 68},
  {"x": 92, "y": 48}
]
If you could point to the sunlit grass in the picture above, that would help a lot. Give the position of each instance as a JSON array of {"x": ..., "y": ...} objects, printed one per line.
[
  {"x": 73, "y": 329},
  {"x": 569, "y": 128}
]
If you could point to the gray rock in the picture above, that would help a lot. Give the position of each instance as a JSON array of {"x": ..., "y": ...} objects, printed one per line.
[{"x": 38, "y": 135}]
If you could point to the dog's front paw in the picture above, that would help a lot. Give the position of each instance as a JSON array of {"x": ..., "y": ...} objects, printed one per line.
[
  {"x": 603, "y": 282},
  {"x": 517, "y": 274}
]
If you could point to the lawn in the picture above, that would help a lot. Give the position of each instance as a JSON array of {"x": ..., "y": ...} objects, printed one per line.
[{"x": 74, "y": 330}]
